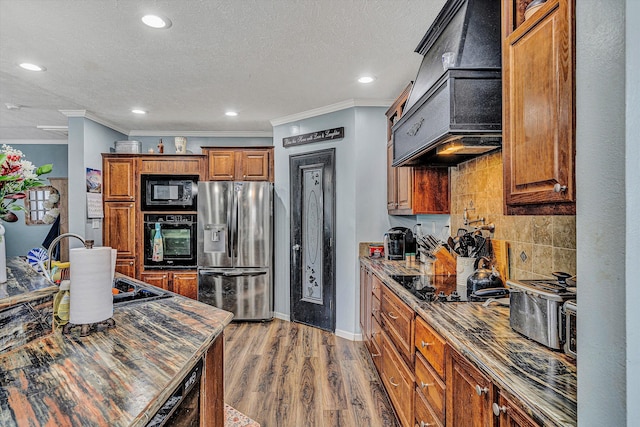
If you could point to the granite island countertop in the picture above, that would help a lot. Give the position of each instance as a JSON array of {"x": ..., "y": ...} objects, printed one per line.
[
  {"x": 542, "y": 379},
  {"x": 113, "y": 377}
]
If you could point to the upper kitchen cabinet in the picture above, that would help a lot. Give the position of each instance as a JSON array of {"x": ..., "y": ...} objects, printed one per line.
[
  {"x": 413, "y": 190},
  {"x": 539, "y": 108},
  {"x": 239, "y": 164},
  {"x": 119, "y": 178}
]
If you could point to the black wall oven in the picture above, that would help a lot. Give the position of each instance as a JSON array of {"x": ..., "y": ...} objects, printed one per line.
[
  {"x": 169, "y": 192},
  {"x": 178, "y": 233}
]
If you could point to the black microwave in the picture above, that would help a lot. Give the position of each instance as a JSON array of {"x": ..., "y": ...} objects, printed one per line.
[{"x": 169, "y": 192}]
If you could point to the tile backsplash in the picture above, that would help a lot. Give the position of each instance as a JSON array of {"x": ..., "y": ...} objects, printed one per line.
[{"x": 538, "y": 244}]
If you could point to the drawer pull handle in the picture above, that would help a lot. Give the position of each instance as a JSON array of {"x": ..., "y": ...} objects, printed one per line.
[
  {"x": 480, "y": 391},
  {"x": 497, "y": 409},
  {"x": 392, "y": 316},
  {"x": 392, "y": 383},
  {"x": 375, "y": 354},
  {"x": 425, "y": 385},
  {"x": 425, "y": 344},
  {"x": 423, "y": 424}
]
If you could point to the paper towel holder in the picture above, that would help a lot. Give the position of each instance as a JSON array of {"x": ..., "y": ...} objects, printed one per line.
[{"x": 87, "y": 244}]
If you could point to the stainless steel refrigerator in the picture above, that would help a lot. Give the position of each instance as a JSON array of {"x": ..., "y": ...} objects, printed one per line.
[{"x": 235, "y": 247}]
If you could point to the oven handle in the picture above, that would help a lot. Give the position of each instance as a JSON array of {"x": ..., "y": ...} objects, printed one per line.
[{"x": 235, "y": 273}]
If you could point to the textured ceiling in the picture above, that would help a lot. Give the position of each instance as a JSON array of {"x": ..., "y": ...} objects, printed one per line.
[{"x": 266, "y": 59}]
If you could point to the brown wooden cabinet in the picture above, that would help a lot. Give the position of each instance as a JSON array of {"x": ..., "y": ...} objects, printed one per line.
[
  {"x": 119, "y": 178},
  {"x": 413, "y": 190},
  {"x": 239, "y": 164},
  {"x": 470, "y": 394},
  {"x": 539, "y": 108},
  {"x": 510, "y": 415},
  {"x": 398, "y": 381},
  {"x": 184, "y": 283}
]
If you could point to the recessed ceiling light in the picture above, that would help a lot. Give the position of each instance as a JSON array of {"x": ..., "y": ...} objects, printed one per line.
[
  {"x": 32, "y": 67},
  {"x": 366, "y": 79},
  {"x": 138, "y": 111},
  {"x": 156, "y": 21},
  {"x": 231, "y": 113}
]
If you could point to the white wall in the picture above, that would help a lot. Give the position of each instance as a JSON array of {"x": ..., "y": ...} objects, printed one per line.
[
  {"x": 360, "y": 201},
  {"x": 600, "y": 173},
  {"x": 632, "y": 266},
  {"x": 87, "y": 140}
]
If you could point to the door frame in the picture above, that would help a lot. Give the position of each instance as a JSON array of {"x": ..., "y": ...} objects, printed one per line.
[{"x": 327, "y": 158}]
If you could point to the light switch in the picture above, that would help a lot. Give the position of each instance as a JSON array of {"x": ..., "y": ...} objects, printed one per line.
[{"x": 95, "y": 223}]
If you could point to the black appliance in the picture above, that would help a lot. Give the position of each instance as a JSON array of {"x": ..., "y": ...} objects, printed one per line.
[
  {"x": 178, "y": 233},
  {"x": 182, "y": 408},
  {"x": 398, "y": 242},
  {"x": 169, "y": 192}
]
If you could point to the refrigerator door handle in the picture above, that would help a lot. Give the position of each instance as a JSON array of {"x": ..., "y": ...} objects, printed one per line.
[
  {"x": 234, "y": 225},
  {"x": 236, "y": 273}
]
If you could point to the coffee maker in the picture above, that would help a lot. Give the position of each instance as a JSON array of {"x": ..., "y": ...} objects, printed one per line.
[{"x": 398, "y": 242}]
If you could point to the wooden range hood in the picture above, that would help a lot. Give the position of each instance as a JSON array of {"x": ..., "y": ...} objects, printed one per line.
[{"x": 454, "y": 114}]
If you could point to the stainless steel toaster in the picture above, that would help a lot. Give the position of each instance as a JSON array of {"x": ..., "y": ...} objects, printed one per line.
[{"x": 535, "y": 310}]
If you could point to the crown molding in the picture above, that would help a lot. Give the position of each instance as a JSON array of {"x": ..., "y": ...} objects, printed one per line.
[
  {"x": 88, "y": 115},
  {"x": 350, "y": 103},
  {"x": 204, "y": 134},
  {"x": 34, "y": 141}
]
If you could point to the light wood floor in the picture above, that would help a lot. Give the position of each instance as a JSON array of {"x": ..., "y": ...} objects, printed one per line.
[{"x": 284, "y": 374}]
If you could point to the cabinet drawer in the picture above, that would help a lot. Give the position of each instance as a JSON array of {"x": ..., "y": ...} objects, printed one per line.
[
  {"x": 423, "y": 413},
  {"x": 376, "y": 286},
  {"x": 375, "y": 348},
  {"x": 397, "y": 322},
  {"x": 430, "y": 345},
  {"x": 398, "y": 381},
  {"x": 375, "y": 307},
  {"x": 431, "y": 386}
]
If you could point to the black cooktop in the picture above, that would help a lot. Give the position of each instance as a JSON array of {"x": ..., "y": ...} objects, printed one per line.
[{"x": 429, "y": 288}]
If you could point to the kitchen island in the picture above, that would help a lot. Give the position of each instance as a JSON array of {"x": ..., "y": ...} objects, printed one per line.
[
  {"x": 542, "y": 382},
  {"x": 117, "y": 376}
]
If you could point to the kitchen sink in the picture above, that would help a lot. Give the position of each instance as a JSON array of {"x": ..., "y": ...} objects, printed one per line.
[{"x": 129, "y": 291}]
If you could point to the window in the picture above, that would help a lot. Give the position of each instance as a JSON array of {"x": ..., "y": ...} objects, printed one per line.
[{"x": 41, "y": 205}]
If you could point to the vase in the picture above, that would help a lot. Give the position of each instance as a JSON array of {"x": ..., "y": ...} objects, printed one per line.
[{"x": 3, "y": 257}]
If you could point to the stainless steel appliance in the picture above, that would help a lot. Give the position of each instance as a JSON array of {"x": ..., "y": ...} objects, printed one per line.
[
  {"x": 169, "y": 192},
  {"x": 570, "y": 336},
  {"x": 535, "y": 309},
  {"x": 178, "y": 239},
  {"x": 235, "y": 247}
]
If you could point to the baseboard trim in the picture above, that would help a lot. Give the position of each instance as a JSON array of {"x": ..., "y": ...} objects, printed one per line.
[
  {"x": 282, "y": 316},
  {"x": 339, "y": 333}
]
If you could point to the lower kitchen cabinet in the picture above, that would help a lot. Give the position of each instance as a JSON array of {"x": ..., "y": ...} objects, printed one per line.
[
  {"x": 126, "y": 266},
  {"x": 398, "y": 380},
  {"x": 510, "y": 415},
  {"x": 184, "y": 283},
  {"x": 469, "y": 393}
]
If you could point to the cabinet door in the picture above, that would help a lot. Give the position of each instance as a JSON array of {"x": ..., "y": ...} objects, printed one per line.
[
  {"x": 469, "y": 394},
  {"x": 404, "y": 177},
  {"x": 126, "y": 266},
  {"x": 510, "y": 415},
  {"x": 365, "y": 311},
  {"x": 222, "y": 164},
  {"x": 538, "y": 113},
  {"x": 119, "y": 227},
  {"x": 397, "y": 322},
  {"x": 392, "y": 185},
  {"x": 186, "y": 284},
  {"x": 159, "y": 279},
  {"x": 119, "y": 179},
  {"x": 253, "y": 165}
]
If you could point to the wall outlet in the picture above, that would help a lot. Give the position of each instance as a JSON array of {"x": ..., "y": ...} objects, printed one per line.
[{"x": 95, "y": 223}]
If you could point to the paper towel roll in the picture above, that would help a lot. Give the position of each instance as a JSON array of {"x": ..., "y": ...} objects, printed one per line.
[{"x": 91, "y": 299}]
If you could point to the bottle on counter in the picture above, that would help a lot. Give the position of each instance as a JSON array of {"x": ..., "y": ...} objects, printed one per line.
[
  {"x": 158, "y": 246},
  {"x": 160, "y": 147},
  {"x": 61, "y": 304}
]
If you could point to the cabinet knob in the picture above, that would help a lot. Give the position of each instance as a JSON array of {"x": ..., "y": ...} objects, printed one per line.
[
  {"x": 480, "y": 391},
  {"x": 425, "y": 344},
  {"x": 130, "y": 206},
  {"x": 130, "y": 262},
  {"x": 497, "y": 409},
  {"x": 425, "y": 385},
  {"x": 559, "y": 188},
  {"x": 392, "y": 383},
  {"x": 423, "y": 424}
]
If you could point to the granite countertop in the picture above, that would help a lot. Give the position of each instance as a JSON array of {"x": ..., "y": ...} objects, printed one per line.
[
  {"x": 542, "y": 379},
  {"x": 116, "y": 377}
]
